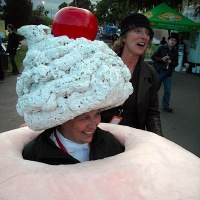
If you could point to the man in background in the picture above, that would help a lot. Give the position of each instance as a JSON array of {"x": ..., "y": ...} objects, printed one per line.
[
  {"x": 13, "y": 43},
  {"x": 166, "y": 59},
  {"x": 182, "y": 47},
  {"x": 1, "y": 67},
  {"x": 163, "y": 41}
]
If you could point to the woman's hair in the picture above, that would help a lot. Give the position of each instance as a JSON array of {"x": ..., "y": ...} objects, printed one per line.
[
  {"x": 120, "y": 42},
  {"x": 118, "y": 45}
]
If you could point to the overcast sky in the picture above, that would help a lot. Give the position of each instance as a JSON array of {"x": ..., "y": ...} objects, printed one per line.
[{"x": 52, "y": 5}]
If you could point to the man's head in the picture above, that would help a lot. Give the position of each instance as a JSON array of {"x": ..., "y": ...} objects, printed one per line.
[
  {"x": 134, "y": 20},
  {"x": 10, "y": 27},
  {"x": 173, "y": 39}
]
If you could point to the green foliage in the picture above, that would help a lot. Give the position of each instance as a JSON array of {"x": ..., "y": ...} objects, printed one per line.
[
  {"x": 19, "y": 57},
  {"x": 62, "y": 5},
  {"x": 18, "y": 12},
  {"x": 113, "y": 11},
  {"x": 81, "y": 4},
  {"x": 197, "y": 11},
  {"x": 47, "y": 21},
  {"x": 40, "y": 16},
  {"x": 40, "y": 11},
  {"x": 36, "y": 20}
]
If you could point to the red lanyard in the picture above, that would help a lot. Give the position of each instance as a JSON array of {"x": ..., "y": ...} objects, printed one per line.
[{"x": 59, "y": 143}]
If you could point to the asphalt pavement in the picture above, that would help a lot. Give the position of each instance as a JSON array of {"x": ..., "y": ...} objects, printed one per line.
[{"x": 182, "y": 126}]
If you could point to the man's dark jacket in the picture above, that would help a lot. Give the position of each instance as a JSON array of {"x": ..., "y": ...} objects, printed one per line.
[
  {"x": 160, "y": 65},
  {"x": 13, "y": 43},
  {"x": 147, "y": 101},
  {"x": 43, "y": 149}
]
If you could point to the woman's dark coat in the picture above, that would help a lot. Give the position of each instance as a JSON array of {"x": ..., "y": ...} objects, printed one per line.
[{"x": 148, "y": 115}]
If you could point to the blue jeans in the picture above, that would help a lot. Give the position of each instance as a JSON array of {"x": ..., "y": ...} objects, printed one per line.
[
  {"x": 12, "y": 61},
  {"x": 162, "y": 77}
]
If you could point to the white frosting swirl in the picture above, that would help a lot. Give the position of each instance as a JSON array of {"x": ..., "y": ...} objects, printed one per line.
[{"x": 64, "y": 78}]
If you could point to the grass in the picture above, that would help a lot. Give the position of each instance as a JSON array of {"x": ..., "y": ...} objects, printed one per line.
[{"x": 19, "y": 57}]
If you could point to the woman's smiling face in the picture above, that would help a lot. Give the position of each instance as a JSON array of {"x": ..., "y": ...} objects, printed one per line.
[{"x": 81, "y": 128}]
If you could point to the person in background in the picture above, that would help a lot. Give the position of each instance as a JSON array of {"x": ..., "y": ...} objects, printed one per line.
[
  {"x": 163, "y": 41},
  {"x": 140, "y": 110},
  {"x": 183, "y": 48},
  {"x": 166, "y": 59},
  {"x": 1, "y": 67},
  {"x": 13, "y": 43}
]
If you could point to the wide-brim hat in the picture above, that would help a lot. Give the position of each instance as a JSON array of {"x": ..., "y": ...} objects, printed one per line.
[{"x": 135, "y": 20}]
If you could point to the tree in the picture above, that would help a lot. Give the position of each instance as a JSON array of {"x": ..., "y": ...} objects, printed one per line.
[
  {"x": 1, "y": 9},
  {"x": 113, "y": 11},
  {"x": 40, "y": 16},
  {"x": 197, "y": 11},
  {"x": 62, "y": 5},
  {"x": 36, "y": 20},
  {"x": 106, "y": 10},
  {"x": 40, "y": 11},
  {"x": 17, "y": 12},
  {"x": 81, "y": 4}
]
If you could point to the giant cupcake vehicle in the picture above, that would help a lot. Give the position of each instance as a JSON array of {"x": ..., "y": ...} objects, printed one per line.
[{"x": 151, "y": 167}]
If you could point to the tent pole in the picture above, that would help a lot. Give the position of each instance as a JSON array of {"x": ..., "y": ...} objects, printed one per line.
[{"x": 169, "y": 33}]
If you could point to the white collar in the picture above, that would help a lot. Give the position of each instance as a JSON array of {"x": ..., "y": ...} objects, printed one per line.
[{"x": 71, "y": 146}]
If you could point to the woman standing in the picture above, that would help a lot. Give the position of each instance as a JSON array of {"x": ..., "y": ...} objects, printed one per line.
[{"x": 140, "y": 110}]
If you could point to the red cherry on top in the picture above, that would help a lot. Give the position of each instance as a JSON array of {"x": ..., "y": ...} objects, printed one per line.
[{"x": 75, "y": 23}]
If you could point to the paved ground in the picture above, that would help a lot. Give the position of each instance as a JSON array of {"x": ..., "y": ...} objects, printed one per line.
[{"x": 181, "y": 127}]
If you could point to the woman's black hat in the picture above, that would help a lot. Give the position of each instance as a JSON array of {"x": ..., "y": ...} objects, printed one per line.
[{"x": 135, "y": 20}]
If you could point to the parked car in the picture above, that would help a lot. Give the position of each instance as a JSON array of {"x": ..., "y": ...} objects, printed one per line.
[
  {"x": 118, "y": 32},
  {"x": 109, "y": 31},
  {"x": 99, "y": 35}
]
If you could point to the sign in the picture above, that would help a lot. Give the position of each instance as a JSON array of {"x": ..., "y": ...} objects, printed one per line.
[
  {"x": 164, "y": 17},
  {"x": 2, "y": 29}
]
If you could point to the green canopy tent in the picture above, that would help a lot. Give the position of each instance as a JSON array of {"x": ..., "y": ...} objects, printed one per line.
[{"x": 164, "y": 17}]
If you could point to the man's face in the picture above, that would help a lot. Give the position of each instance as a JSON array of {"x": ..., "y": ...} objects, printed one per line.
[{"x": 172, "y": 42}]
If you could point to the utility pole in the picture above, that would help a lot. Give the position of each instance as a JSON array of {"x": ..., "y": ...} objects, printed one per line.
[
  {"x": 51, "y": 13},
  {"x": 75, "y": 3}
]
